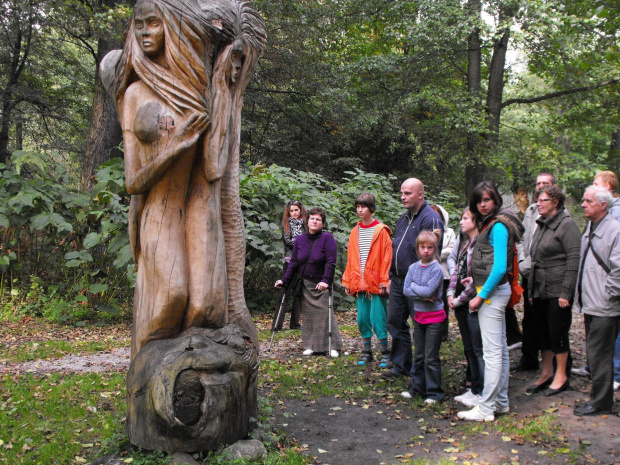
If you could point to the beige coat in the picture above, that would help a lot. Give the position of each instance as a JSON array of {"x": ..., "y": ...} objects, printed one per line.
[{"x": 600, "y": 291}]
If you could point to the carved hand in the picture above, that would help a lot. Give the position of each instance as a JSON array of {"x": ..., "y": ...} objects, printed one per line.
[{"x": 192, "y": 128}]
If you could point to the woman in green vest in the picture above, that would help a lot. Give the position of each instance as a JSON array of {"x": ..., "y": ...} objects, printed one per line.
[{"x": 492, "y": 261}]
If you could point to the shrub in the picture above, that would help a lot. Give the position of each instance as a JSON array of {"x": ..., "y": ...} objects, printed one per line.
[{"x": 58, "y": 243}]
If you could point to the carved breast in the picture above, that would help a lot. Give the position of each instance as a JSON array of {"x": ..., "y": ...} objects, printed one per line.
[{"x": 152, "y": 121}]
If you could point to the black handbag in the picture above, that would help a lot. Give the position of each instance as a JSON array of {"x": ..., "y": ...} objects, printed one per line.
[{"x": 295, "y": 285}]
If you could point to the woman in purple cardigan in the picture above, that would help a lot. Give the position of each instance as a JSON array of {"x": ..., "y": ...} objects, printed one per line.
[{"x": 314, "y": 256}]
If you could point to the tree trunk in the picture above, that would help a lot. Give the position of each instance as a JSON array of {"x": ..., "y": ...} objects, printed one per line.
[
  {"x": 19, "y": 134},
  {"x": 496, "y": 85},
  {"x": 4, "y": 128},
  {"x": 474, "y": 170},
  {"x": 613, "y": 158},
  {"x": 105, "y": 132}
]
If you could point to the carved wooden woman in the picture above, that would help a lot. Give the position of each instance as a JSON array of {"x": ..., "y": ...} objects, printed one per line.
[{"x": 178, "y": 84}]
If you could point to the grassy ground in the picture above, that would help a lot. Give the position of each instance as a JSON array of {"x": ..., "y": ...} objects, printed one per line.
[{"x": 71, "y": 418}]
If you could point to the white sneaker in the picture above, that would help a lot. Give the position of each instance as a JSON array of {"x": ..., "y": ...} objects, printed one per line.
[
  {"x": 475, "y": 415},
  {"x": 473, "y": 400},
  {"x": 406, "y": 395},
  {"x": 334, "y": 353},
  {"x": 466, "y": 395},
  {"x": 499, "y": 409},
  {"x": 430, "y": 401},
  {"x": 616, "y": 385},
  {"x": 308, "y": 352}
]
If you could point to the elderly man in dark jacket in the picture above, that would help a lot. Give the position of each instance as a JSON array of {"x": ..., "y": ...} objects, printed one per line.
[
  {"x": 598, "y": 296},
  {"x": 418, "y": 217}
]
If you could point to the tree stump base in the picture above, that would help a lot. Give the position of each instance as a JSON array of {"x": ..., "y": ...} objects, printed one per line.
[{"x": 196, "y": 392}]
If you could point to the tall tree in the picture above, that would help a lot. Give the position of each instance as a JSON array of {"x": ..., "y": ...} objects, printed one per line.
[
  {"x": 104, "y": 135},
  {"x": 19, "y": 25}
]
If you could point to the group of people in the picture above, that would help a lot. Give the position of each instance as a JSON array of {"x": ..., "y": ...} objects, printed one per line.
[{"x": 477, "y": 277}]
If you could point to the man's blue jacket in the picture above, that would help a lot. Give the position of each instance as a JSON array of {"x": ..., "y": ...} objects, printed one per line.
[{"x": 405, "y": 234}]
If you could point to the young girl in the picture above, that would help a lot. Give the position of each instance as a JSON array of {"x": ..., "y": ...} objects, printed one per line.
[
  {"x": 460, "y": 292},
  {"x": 424, "y": 286}
]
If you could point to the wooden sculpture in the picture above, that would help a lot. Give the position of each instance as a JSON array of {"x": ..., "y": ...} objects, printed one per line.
[{"x": 178, "y": 84}]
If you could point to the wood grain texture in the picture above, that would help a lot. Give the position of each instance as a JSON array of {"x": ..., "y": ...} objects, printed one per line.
[{"x": 178, "y": 84}]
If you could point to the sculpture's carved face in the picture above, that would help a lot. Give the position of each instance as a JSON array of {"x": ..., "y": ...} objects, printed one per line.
[
  {"x": 149, "y": 30},
  {"x": 235, "y": 65}
]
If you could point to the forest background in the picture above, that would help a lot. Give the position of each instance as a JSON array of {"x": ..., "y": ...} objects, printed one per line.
[{"x": 349, "y": 96}]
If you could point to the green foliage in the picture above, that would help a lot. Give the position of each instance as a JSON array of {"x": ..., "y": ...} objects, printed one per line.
[
  {"x": 264, "y": 193},
  {"x": 266, "y": 190},
  {"x": 63, "y": 254}
]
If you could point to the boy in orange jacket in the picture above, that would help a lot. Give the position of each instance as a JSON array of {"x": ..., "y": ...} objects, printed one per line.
[{"x": 367, "y": 277}]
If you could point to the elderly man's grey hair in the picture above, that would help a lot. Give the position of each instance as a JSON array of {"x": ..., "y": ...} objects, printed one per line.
[{"x": 602, "y": 195}]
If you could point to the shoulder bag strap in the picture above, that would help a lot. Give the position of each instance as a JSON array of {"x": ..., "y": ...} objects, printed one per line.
[
  {"x": 598, "y": 257},
  {"x": 301, "y": 273}
]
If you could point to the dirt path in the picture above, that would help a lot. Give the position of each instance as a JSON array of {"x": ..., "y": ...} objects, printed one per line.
[
  {"x": 116, "y": 360},
  {"x": 391, "y": 431},
  {"x": 338, "y": 433}
]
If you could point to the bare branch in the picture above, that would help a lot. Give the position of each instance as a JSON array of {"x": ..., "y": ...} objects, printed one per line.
[{"x": 559, "y": 93}]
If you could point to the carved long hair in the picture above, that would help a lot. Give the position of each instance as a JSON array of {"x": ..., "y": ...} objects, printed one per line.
[
  {"x": 188, "y": 47},
  {"x": 194, "y": 34}
]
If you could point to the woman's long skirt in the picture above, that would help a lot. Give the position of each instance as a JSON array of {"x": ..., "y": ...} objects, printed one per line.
[{"x": 315, "y": 324}]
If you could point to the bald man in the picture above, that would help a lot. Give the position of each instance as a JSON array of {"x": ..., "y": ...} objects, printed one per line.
[{"x": 418, "y": 217}]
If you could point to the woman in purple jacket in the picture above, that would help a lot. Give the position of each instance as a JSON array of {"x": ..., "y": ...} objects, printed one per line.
[{"x": 314, "y": 256}]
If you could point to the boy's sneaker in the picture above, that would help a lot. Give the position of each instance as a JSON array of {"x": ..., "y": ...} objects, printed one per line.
[
  {"x": 406, "y": 395},
  {"x": 466, "y": 395},
  {"x": 308, "y": 352},
  {"x": 616, "y": 385},
  {"x": 365, "y": 359},
  {"x": 385, "y": 359},
  {"x": 472, "y": 401},
  {"x": 334, "y": 353},
  {"x": 475, "y": 415},
  {"x": 430, "y": 401}
]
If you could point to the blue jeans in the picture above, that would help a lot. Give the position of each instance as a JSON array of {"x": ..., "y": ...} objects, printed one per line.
[
  {"x": 617, "y": 360},
  {"x": 492, "y": 318},
  {"x": 399, "y": 308},
  {"x": 476, "y": 341},
  {"x": 426, "y": 376},
  {"x": 472, "y": 346}
]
